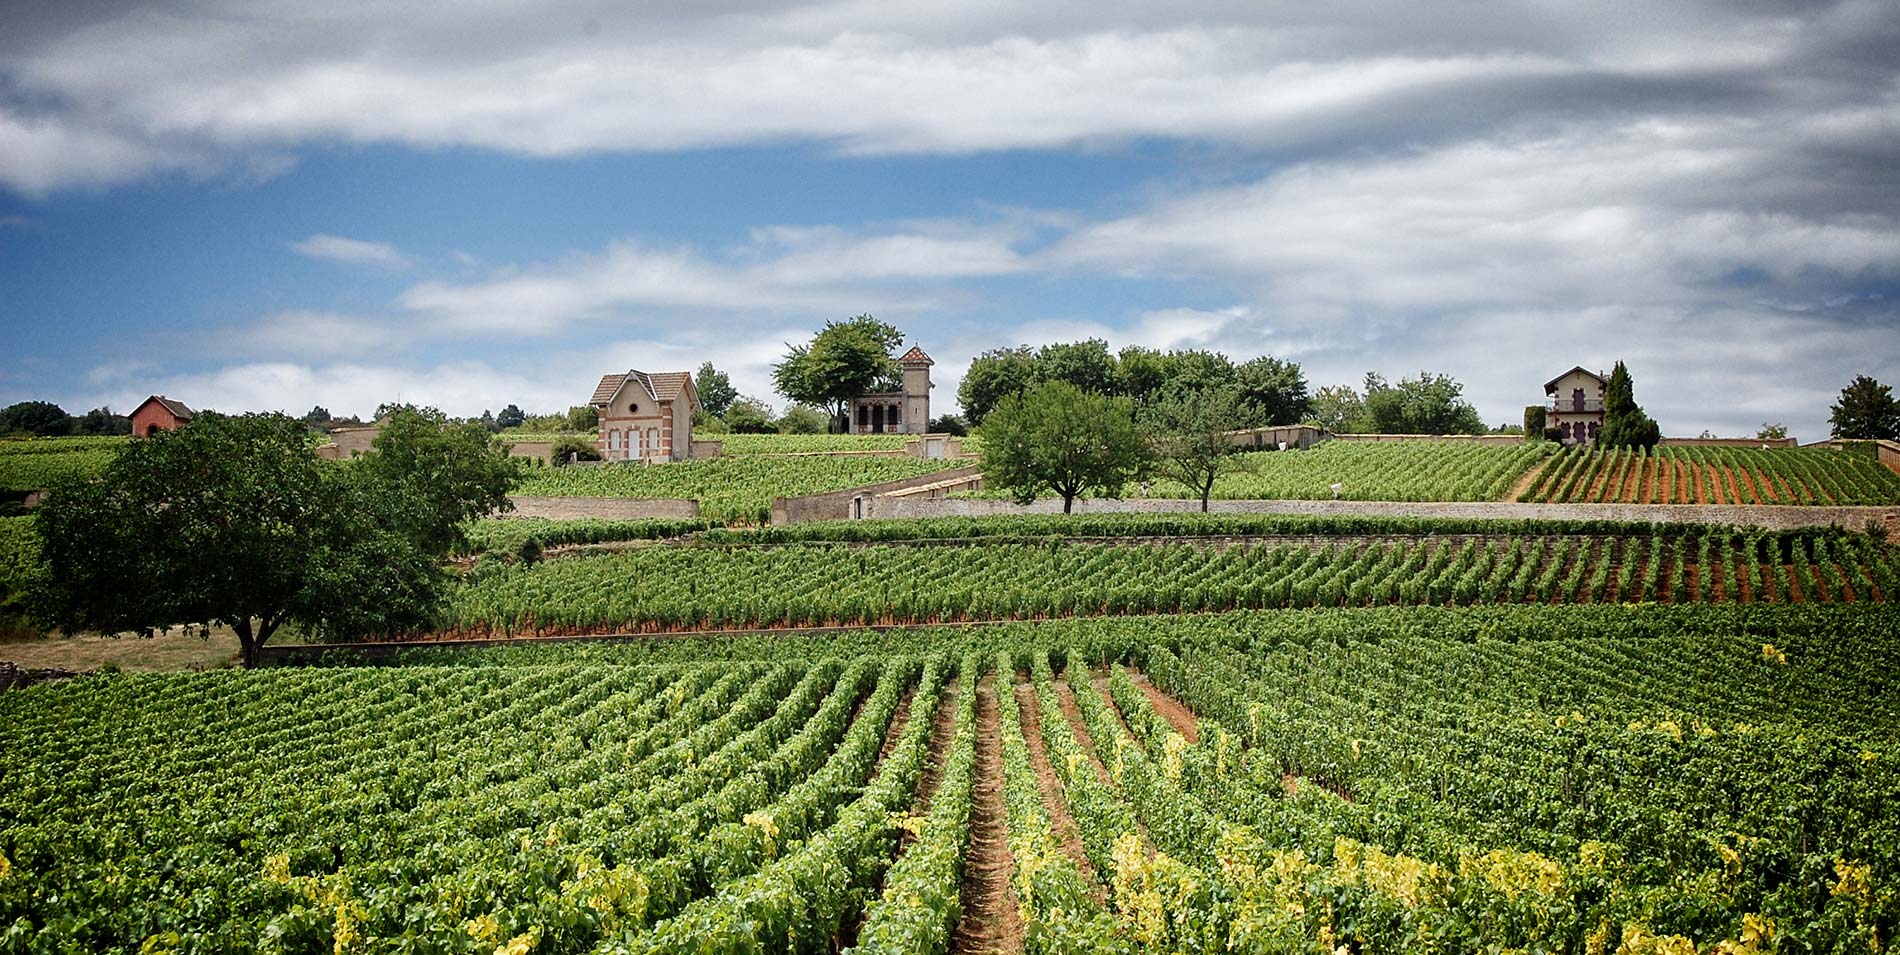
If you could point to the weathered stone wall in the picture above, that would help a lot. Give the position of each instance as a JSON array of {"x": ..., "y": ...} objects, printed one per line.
[
  {"x": 603, "y": 508},
  {"x": 1295, "y": 436},
  {"x": 1727, "y": 443},
  {"x": 700, "y": 449},
  {"x": 1774, "y": 517},
  {"x": 542, "y": 451},
  {"x": 1495, "y": 439},
  {"x": 837, "y": 506}
]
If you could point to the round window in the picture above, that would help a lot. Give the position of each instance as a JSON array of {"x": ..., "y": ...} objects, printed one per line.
[{"x": 632, "y": 408}]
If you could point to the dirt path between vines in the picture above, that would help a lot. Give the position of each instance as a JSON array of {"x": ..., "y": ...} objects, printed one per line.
[
  {"x": 1525, "y": 480},
  {"x": 990, "y": 922},
  {"x": 1051, "y": 787},
  {"x": 943, "y": 729},
  {"x": 1178, "y": 716},
  {"x": 892, "y": 731}
]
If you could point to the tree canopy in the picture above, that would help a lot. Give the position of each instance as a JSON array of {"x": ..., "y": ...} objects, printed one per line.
[
  {"x": 1866, "y": 409},
  {"x": 235, "y": 521},
  {"x": 1428, "y": 404},
  {"x": 1269, "y": 390},
  {"x": 1056, "y": 437},
  {"x": 716, "y": 393},
  {"x": 1189, "y": 435},
  {"x": 42, "y": 418},
  {"x": 844, "y": 360},
  {"x": 1624, "y": 423}
]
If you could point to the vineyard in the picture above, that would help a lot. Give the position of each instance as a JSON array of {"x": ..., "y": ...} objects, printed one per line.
[
  {"x": 1375, "y": 471},
  {"x": 731, "y": 490},
  {"x": 1717, "y": 475},
  {"x": 744, "y": 444},
  {"x": 1576, "y": 779},
  {"x": 837, "y": 584},
  {"x": 37, "y": 463}
]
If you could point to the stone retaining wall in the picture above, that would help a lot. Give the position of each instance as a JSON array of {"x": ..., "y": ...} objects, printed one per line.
[
  {"x": 1772, "y": 517},
  {"x": 603, "y": 508},
  {"x": 837, "y": 505}
]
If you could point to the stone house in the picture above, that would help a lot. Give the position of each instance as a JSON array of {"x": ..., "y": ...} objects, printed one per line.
[
  {"x": 646, "y": 416},
  {"x": 159, "y": 413},
  {"x": 1575, "y": 405},
  {"x": 906, "y": 411}
]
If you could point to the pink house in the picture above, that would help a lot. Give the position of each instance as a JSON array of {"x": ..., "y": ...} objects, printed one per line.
[{"x": 646, "y": 417}]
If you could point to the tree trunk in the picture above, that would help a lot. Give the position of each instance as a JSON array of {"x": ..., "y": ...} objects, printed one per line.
[
  {"x": 247, "y": 646},
  {"x": 1206, "y": 492},
  {"x": 1068, "y": 503}
]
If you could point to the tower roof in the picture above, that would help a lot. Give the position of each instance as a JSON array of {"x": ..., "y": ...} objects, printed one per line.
[{"x": 915, "y": 356}]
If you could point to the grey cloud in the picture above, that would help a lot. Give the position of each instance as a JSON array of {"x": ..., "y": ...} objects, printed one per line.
[{"x": 220, "y": 78}]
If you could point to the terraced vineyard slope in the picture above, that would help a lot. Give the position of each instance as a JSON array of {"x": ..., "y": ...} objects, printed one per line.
[
  {"x": 1530, "y": 778},
  {"x": 1718, "y": 475}
]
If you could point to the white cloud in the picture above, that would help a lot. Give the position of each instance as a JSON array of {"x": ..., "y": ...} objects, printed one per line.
[
  {"x": 127, "y": 92},
  {"x": 336, "y": 248},
  {"x": 458, "y": 387}
]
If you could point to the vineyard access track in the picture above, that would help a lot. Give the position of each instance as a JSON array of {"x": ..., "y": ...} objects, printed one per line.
[{"x": 990, "y": 922}]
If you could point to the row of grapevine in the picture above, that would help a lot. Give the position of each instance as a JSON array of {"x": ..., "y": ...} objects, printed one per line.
[
  {"x": 1540, "y": 778},
  {"x": 684, "y": 588},
  {"x": 1368, "y": 471},
  {"x": 728, "y": 489},
  {"x": 1713, "y": 475}
]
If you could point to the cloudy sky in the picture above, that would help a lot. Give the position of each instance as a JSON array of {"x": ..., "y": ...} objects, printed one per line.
[{"x": 278, "y": 203}]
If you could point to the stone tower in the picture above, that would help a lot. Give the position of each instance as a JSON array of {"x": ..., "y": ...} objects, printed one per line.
[{"x": 916, "y": 366}]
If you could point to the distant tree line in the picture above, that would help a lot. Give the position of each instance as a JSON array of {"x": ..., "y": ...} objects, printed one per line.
[
  {"x": 1264, "y": 391},
  {"x": 44, "y": 419}
]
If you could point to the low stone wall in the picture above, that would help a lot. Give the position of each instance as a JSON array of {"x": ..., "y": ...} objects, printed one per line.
[
  {"x": 542, "y": 451},
  {"x": 705, "y": 449},
  {"x": 1772, "y": 517},
  {"x": 1293, "y": 436},
  {"x": 1495, "y": 439},
  {"x": 603, "y": 508},
  {"x": 837, "y": 505},
  {"x": 1728, "y": 443}
]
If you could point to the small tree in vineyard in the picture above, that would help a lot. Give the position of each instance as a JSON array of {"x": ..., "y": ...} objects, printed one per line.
[
  {"x": 1624, "y": 423},
  {"x": 1057, "y": 438},
  {"x": 1189, "y": 432},
  {"x": 235, "y": 521}
]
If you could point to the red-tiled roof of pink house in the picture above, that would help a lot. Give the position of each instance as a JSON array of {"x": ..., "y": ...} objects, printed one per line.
[{"x": 604, "y": 392}]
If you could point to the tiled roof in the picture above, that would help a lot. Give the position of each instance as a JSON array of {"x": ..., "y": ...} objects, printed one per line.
[
  {"x": 177, "y": 408},
  {"x": 667, "y": 385},
  {"x": 604, "y": 392},
  {"x": 1551, "y": 385},
  {"x": 914, "y": 356},
  {"x": 659, "y": 386}
]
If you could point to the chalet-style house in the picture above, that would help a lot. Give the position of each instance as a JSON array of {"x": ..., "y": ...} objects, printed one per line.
[
  {"x": 646, "y": 416},
  {"x": 159, "y": 413},
  {"x": 900, "y": 412},
  {"x": 1576, "y": 405}
]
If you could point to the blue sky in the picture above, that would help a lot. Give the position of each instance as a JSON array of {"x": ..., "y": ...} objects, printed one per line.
[{"x": 268, "y": 205}]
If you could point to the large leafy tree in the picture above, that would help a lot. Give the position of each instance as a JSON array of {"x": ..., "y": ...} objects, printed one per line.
[
  {"x": 1336, "y": 408},
  {"x": 1867, "y": 409},
  {"x": 716, "y": 393},
  {"x": 1189, "y": 435},
  {"x": 511, "y": 417},
  {"x": 1624, "y": 423},
  {"x": 235, "y": 521},
  {"x": 1428, "y": 404},
  {"x": 1057, "y": 437},
  {"x": 35, "y": 417},
  {"x": 994, "y": 375},
  {"x": 1271, "y": 391},
  {"x": 844, "y": 360}
]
